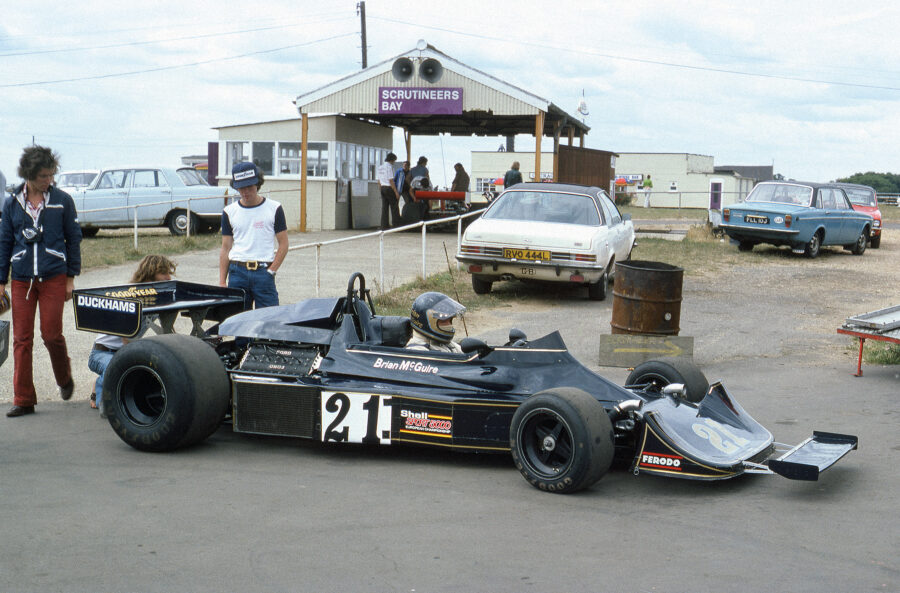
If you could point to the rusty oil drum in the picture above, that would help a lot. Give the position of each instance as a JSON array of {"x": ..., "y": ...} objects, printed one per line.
[{"x": 647, "y": 298}]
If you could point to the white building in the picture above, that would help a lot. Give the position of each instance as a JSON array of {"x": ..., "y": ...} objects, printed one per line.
[{"x": 680, "y": 180}]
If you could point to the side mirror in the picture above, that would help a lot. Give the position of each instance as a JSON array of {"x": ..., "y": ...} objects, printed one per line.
[
  {"x": 474, "y": 345},
  {"x": 626, "y": 217}
]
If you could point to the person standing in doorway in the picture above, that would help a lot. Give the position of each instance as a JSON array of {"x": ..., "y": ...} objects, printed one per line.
[
  {"x": 254, "y": 240},
  {"x": 513, "y": 176},
  {"x": 40, "y": 240},
  {"x": 390, "y": 194},
  {"x": 647, "y": 187},
  {"x": 460, "y": 180}
]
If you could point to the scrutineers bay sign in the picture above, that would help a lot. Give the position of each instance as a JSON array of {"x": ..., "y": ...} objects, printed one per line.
[{"x": 416, "y": 100}]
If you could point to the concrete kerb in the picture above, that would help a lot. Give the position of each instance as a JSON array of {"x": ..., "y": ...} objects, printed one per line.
[{"x": 296, "y": 282}]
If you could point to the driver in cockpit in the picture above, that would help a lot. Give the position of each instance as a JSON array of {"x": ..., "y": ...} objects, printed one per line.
[{"x": 432, "y": 323}]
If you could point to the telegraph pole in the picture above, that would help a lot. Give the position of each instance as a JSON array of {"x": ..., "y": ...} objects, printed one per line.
[{"x": 361, "y": 9}]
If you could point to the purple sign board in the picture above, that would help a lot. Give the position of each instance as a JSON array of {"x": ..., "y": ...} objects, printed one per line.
[{"x": 417, "y": 100}]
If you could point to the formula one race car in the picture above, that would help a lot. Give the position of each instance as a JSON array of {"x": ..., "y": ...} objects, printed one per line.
[{"x": 330, "y": 369}]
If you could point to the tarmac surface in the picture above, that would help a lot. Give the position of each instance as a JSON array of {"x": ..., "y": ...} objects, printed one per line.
[{"x": 82, "y": 511}]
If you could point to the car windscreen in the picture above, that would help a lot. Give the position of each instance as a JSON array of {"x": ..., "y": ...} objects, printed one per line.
[
  {"x": 800, "y": 195},
  {"x": 75, "y": 179},
  {"x": 191, "y": 177},
  {"x": 861, "y": 196},
  {"x": 540, "y": 206}
]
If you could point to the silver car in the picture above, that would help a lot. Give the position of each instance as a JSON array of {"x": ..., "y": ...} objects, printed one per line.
[{"x": 156, "y": 196}]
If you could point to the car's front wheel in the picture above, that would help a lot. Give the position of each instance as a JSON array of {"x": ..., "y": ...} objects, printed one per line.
[
  {"x": 811, "y": 249},
  {"x": 561, "y": 440},
  {"x": 653, "y": 375},
  {"x": 165, "y": 392}
]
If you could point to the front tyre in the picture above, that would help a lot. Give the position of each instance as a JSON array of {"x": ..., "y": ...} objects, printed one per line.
[
  {"x": 561, "y": 440},
  {"x": 165, "y": 392},
  {"x": 653, "y": 375}
]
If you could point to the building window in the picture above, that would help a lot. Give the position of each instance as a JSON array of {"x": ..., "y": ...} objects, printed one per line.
[
  {"x": 288, "y": 158},
  {"x": 264, "y": 157},
  {"x": 484, "y": 184},
  {"x": 316, "y": 159},
  {"x": 237, "y": 152}
]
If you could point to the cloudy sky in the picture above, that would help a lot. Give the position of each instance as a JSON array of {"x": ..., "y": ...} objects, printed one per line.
[{"x": 811, "y": 87}]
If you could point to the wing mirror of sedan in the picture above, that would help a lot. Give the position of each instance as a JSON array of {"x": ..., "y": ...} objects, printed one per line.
[
  {"x": 626, "y": 217},
  {"x": 474, "y": 345}
]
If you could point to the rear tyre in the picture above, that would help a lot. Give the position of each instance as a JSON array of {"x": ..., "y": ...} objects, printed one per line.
[
  {"x": 875, "y": 242},
  {"x": 561, "y": 440},
  {"x": 745, "y": 246},
  {"x": 597, "y": 290},
  {"x": 89, "y": 231},
  {"x": 481, "y": 285},
  {"x": 811, "y": 249},
  {"x": 177, "y": 223},
  {"x": 860, "y": 246},
  {"x": 656, "y": 374},
  {"x": 165, "y": 392}
]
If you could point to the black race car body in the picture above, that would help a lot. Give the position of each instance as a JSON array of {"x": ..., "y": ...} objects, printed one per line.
[{"x": 331, "y": 370}]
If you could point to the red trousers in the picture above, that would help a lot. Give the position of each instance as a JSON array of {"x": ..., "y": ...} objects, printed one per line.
[{"x": 50, "y": 296}]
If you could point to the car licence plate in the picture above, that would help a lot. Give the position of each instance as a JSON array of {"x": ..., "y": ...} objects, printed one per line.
[
  {"x": 531, "y": 254},
  {"x": 756, "y": 219}
]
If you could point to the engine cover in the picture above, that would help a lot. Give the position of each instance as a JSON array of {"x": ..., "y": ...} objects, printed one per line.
[{"x": 278, "y": 359}]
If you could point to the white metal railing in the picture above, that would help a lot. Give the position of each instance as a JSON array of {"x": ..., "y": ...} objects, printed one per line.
[
  {"x": 890, "y": 199},
  {"x": 380, "y": 234},
  {"x": 176, "y": 203}
]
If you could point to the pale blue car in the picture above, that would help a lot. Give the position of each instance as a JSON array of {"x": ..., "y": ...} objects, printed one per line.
[{"x": 803, "y": 216}]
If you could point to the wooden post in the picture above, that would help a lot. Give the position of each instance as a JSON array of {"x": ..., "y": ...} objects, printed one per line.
[
  {"x": 304, "y": 132},
  {"x": 556, "y": 134},
  {"x": 408, "y": 140},
  {"x": 571, "y": 135},
  {"x": 538, "y": 135}
]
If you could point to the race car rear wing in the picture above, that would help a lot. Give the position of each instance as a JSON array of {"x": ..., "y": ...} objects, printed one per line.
[{"x": 117, "y": 310}]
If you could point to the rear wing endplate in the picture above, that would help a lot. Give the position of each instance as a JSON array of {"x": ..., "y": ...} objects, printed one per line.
[
  {"x": 117, "y": 310},
  {"x": 813, "y": 456}
]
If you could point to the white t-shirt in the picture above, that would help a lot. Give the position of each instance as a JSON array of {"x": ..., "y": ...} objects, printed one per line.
[
  {"x": 253, "y": 229},
  {"x": 385, "y": 173}
]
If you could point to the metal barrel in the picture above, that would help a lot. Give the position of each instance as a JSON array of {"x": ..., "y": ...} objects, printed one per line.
[{"x": 647, "y": 298}]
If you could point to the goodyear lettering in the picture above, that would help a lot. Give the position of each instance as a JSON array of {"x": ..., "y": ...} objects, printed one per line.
[
  {"x": 132, "y": 292},
  {"x": 95, "y": 302}
]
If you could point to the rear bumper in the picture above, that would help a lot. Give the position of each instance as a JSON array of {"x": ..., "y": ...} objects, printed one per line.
[{"x": 494, "y": 268}]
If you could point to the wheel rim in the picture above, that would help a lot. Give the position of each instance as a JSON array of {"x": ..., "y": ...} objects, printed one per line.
[
  {"x": 814, "y": 244},
  {"x": 861, "y": 242},
  {"x": 545, "y": 443},
  {"x": 654, "y": 382},
  {"x": 142, "y": 395}
]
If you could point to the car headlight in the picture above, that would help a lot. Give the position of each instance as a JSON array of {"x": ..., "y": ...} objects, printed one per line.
[{"x": 876, "y": 224}]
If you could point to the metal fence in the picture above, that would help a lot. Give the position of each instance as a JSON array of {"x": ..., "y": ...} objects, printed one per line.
[{"x": 889, "y": 199}]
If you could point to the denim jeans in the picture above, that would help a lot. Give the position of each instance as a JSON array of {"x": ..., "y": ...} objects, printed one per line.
[
  {"x": 97, "y": 362},
  {"x": 259, "y": 286}
]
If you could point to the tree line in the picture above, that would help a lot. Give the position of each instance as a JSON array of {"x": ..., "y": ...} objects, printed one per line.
[{"x": 882, "y": 183}]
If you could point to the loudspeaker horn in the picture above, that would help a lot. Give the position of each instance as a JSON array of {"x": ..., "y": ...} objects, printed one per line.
[
  {"x": 431, "y": 70},
  {"x": 402, "y": 69}
]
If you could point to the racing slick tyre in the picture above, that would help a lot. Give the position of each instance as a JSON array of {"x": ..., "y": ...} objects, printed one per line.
[
  {"x": 165, "y": 392},
  {"x": 561, "y": 440},
  {"x": 875, "y": 242},
  {"x": 859, "y": 247},
  {"x": 663, "y": 371},
  {"x": 177, "y": 222},
  {"x": 597, "y": 290},
  {"x": 480, "y": 285},
  {"x": 811, "y": 249}
]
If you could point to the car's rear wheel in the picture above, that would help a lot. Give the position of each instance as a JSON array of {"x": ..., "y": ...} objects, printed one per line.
[
  {"x": 481, "y": 285},
  {"x": 746, "y": 246},
  {"x": 178, "y": 222},
  {"x": 875, "y": 242},
  {"x": 561, "y": 440},
  {"x": 597, "y": 290},
  {"x": 165, "y": 392},
  {"x": 89, "y": 231},
  {"x": 860, "y": 246},
  {"x": 653, "y": 375},
  {"x": 812, "y": 248}
]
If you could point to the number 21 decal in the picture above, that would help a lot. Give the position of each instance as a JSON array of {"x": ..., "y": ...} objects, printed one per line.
[{"x": 356, "y": 418}]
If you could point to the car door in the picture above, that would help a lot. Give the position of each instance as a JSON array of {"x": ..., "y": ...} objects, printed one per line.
[
  {"x": 851, "y": 226},
  {"x": 834, "y": 218},
  {"x": 105, "y": 204},
  {"x": 152, "y": 194},
  {"x": 618, "y": 233}
]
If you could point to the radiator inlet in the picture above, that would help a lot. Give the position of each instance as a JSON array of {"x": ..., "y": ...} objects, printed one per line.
[{"x": 275, "y": 408}]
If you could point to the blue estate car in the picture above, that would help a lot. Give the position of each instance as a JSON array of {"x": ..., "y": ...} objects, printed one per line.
[{"x": 803, "y": 216}]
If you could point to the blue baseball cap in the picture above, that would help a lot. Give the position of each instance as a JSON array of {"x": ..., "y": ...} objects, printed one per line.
[{"x": 244, "y": 175}]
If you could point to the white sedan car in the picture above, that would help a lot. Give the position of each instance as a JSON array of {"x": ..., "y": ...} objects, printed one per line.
[{"x": 550, "y": 232}]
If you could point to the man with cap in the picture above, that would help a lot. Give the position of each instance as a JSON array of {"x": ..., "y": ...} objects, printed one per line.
[{"x": 251, "y": 227}]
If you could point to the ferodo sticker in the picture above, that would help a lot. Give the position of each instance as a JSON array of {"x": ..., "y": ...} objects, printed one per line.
[
  {"x": 425, "y": 423},
  {"x": 661, "y": 461}
]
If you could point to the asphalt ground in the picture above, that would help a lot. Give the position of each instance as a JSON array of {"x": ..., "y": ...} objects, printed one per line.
[{"x": 82, "y": 511}]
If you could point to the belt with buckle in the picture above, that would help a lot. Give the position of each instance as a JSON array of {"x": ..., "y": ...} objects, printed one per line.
[
  {"x": 251, "y": 265},
  {"x": 103, "y": 348}
]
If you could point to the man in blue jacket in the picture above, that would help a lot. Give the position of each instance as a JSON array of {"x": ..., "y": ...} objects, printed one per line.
[{"x": 40, "y": 239}]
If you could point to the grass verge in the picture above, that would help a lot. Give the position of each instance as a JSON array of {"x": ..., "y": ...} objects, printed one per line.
[
  {"x": 118, "y": 248},
  {"x": 457, "y": 286},
  {"x": 875, "y": 352}
]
